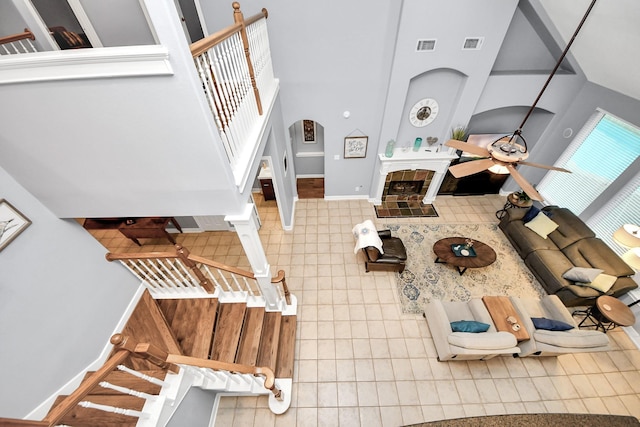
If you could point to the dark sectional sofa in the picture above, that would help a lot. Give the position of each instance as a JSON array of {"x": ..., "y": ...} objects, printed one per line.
[{"x": 572, "y": 244}]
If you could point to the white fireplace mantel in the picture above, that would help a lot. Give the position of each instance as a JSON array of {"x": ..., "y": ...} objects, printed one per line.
[{"x": 425, "y": 158}]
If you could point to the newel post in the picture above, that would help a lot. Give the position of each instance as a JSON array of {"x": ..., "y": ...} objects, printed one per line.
[{"x": 238, "y": 18}]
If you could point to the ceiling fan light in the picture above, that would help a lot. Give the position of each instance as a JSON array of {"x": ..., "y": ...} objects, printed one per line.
[{"x": 499, "y": 169}]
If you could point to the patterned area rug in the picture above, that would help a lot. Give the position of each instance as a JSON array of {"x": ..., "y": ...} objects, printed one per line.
[{"x": 423, "y": 279}]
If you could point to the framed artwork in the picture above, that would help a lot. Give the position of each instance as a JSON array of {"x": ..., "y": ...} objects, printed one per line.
[
  {"x": 309, "y": 131},
  {"x": 355, "y": 147},
  {"x": 12, "y": 223}
]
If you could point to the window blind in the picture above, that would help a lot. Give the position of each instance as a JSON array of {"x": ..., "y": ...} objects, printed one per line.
[{"x": 600, "y": 152}]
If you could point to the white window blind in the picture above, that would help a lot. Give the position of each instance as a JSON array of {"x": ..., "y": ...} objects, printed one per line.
[
  {"x": 600, "y": 152},
  {"x": 624, "y": 208}
]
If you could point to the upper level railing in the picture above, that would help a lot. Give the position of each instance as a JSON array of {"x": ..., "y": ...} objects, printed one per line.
[
  {"x": 18, "y": 43},
  {"x": 235, "y": 67},
  {"x": 180, "y": 274}
]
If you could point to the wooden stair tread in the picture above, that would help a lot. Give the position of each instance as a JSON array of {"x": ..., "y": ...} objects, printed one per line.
[
  {"x": 250, "y": 339},
  {"x": 286, "y": 347},
  {"x": 124, "y": 379},
  {"x": 87, "y": 417},
  {"x": 227, "y": 333},
  {"x": 192, "y": 322},
  {"x": 268, "y": 352},
  {"x": 148, "y": 324}
]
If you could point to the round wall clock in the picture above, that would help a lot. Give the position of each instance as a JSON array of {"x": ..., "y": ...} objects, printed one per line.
[{"x": 423, "y": 112}]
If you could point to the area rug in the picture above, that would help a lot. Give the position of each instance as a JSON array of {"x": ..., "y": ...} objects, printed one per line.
[
  {"x": 537, "y": 420},
  {"x": 404, "y": 209},
  {"x": 423, "y": 279}
]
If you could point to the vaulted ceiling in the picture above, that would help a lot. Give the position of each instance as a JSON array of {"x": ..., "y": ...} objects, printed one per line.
[{"x": 607, "y": 48}]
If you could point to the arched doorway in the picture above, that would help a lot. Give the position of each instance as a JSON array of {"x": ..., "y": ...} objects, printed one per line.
[{"x": 307, "y": 143}]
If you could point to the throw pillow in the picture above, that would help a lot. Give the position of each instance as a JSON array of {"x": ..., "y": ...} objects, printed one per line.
[
  {"x": 531, "y": 213},
  {"x": 550, "y": 324},
  {"x": 582, "y": 274},
  {"x": 541, "y": 225},
  {"x": 602, "y": 282},
  {"x": 469, "y": 326}
]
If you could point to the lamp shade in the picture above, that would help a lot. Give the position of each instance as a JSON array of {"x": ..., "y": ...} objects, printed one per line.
[
  {"x": 632, "y": 258},
  {"x": 628, "y": 235}
]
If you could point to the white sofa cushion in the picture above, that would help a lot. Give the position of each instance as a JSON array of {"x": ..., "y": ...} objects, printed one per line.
[
  {"x": 483, "y": 340},
  {"x": 575, "y": 339}
]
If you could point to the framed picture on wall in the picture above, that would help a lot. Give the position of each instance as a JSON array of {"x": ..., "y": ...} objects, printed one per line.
[
  {"x": 309, "y": 131},
  {"x": 12, "y": 223},
  {"x": 355, "y": 147}
]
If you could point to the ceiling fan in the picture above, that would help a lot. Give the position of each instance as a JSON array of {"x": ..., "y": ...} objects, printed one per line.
[{"x": 506, "y": 151}]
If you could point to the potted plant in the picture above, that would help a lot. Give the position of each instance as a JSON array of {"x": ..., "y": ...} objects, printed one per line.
[
  {"x": 459, "y": 133},
  {"x": 521, "y": 196}
]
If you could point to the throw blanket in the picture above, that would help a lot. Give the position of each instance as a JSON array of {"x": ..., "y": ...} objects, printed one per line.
[{"x": 366, "y": 235}]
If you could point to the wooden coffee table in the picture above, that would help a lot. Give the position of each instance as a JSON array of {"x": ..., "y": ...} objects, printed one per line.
[
  {"x": 609, "y": 312},
  {"x": 485, "y": 255},
  {"x": 504, "y": 316}
]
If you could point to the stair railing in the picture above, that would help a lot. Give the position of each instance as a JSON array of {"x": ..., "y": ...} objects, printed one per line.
[
  {"x": 18, "y": 43},
  {"x": 234, "y": 65},
  {"x": 180, "y": 274}
]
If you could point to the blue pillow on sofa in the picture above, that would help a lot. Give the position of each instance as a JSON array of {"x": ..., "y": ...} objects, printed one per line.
[
  {"x": 531, "y": 213},
  {"x": 550, "y": 324},
  {"x": 469, "y": 326}
]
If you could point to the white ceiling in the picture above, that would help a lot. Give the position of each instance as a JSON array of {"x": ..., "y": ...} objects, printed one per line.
[{"x": 608, "y": 46}]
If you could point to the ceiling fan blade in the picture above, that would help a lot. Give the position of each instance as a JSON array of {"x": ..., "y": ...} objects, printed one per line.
[
  {"x": 538, "y": 165},
  {"x": 469, "y": 168},
  {"x": 524, "y": 184},
  {"x": 469, "y": 148}
]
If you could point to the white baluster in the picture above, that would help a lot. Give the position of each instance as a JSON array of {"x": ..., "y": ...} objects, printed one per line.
[
  {"x": 125, "y": 390},
  {"x": 140, "y": 375},
  {"x": 112, "y": 409}
]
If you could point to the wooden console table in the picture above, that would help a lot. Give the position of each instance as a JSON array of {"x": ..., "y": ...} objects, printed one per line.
[
  {"x": 504, "y": 316},
  {"x": 148, "y": 228}
]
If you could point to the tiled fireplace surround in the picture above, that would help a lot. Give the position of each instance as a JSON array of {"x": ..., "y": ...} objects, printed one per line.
[{"x": 422, "y": 175}]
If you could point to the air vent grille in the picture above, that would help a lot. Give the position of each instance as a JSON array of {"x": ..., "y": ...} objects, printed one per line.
[
  {"x": 426, "y": 45},
  {"x": 473, "y": 43}
]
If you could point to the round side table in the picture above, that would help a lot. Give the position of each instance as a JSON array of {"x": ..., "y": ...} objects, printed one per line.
[
  {"x": 513, "y": 202},
  {"x": 609, "y": 312}
]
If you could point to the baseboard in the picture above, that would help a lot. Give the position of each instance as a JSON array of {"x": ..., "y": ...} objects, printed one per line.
[
  {"x": 310, "y": 175},
  {"x": 41, "y": 410},
  {"x": 353, "y": 197}
]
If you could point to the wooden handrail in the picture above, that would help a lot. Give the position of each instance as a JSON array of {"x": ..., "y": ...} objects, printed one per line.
[
  {"x": 10, "y": 422},
  {"x": 202, "y": 45},
  {"x": 269, "y": 376},
  {"x": 17, "y": 37},
  {"x": 280, "y": 278}
]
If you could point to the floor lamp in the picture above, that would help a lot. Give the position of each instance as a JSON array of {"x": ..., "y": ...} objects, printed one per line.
[{"x": 629, "y": 236}]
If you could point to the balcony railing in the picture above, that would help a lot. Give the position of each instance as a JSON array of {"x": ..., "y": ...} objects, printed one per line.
[
  {"x": 17, "y": 43},
  {"x": 235, "y": 67}
]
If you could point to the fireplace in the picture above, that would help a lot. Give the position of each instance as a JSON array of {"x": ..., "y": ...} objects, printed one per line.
[
  {"x": 405, "y": 188},
  {"x": 406, "y": 185}
]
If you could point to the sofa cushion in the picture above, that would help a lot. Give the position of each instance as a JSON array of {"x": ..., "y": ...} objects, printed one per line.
[
  {"x": 550, "y": 324},
  {"x": 483, "y": 341},
  {"x": 542, "y": 225},
  {"x": 602, "y": 283},
  {"x": 570, "y": 227},
  {"x": 469, "y": 326},
  {"x": 593, "y": 252},
  {"x": 574, "y": 338},
  {"x": 548, "y": 266},
  {"x": 582, "y": 274},
  {"x": 525, "y": 240}
]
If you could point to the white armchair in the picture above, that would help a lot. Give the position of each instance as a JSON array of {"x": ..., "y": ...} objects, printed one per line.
[
  {"x": 452, "y": 345},
  {"x": 552, "y": 343}
]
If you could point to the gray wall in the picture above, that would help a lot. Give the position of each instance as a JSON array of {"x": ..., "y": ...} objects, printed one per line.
[
  {"x": 119, "y": 22},
  {"x": 60, "y": 301}
]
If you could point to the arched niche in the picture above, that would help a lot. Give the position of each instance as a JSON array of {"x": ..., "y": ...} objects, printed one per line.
[
  {"x": 307, "y": 143},
  {"x": 446, "y": 86},
  {"x": 507, "y": 119}
]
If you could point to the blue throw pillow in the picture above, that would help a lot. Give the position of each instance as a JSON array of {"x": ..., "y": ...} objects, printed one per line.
[
  {"x": 469, "y": 326},
  {"x": 531, "y": 213},
  {"x": 550, "y": 324}
]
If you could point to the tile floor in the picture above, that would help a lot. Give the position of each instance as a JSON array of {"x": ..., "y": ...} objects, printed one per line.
[{"x": 360, "y": 361}]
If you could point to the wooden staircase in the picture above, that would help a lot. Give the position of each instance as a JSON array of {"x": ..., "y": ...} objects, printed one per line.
[{"x": 202, "y": 328}]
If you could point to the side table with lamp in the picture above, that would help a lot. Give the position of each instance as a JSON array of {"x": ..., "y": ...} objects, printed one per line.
[{"x": 515, "y": 200}]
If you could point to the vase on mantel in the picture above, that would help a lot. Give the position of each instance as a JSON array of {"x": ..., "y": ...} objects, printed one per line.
[{"x": 388, "y": 152}]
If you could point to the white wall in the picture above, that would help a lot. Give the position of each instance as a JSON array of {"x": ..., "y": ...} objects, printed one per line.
[
  {"x": 60, "y": 301},
  {"x": 125, "y": 146}
]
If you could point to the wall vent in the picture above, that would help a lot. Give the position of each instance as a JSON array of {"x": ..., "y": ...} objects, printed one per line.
[
  {"x": 473, "y": 43},
  {"x": 426, "y": 45}
]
